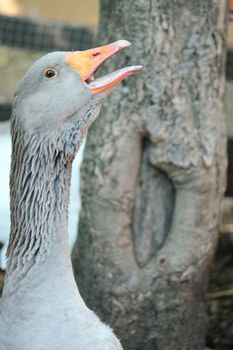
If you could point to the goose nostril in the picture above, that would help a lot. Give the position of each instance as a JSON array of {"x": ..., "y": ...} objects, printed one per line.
[{"x": 96, "y": 54}]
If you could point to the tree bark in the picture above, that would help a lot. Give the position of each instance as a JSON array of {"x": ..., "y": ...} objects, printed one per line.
[{"x": 154, "y": 174}]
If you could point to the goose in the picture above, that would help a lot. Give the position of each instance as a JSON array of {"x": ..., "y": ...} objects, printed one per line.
[{"x": 55, "y": 103}]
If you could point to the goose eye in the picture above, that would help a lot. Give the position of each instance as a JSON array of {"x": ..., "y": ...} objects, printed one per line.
[{"x": 50, "y": 73}]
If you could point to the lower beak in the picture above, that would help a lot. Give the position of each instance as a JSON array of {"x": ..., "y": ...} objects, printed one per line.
[{"x": 86, "y": 63}]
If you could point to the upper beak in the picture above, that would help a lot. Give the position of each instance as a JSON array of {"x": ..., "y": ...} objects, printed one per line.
[{"x": 87, "y": 62}]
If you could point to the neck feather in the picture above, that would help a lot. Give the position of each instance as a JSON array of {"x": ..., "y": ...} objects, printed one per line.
[{"x": 39, "y": 197}]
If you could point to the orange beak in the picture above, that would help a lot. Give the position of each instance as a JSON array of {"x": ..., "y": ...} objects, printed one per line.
[{"x": 86, "y": 63}]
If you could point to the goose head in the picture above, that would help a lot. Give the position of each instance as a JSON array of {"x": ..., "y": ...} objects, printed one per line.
[{"x": 59, "y": 96}]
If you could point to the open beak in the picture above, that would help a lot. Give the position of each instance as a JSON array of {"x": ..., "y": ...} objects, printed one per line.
[{"x": 87, "y": 62}]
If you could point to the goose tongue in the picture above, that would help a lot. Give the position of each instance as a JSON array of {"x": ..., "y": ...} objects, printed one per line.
[
  {"x": 86, "y": 63},
  {"x": 109, "y": 81}
]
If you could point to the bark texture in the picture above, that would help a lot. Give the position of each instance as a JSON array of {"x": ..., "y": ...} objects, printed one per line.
[{"x": 154, "y": 174}]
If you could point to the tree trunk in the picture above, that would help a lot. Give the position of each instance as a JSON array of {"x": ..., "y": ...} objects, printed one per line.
[{"x": 154, "y": 172}]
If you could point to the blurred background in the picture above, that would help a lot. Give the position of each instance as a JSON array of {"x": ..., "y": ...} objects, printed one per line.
[
  {"x": 28, "y": 29},
  {"x": 72, "y": 11}
]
